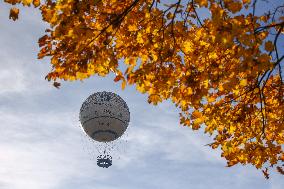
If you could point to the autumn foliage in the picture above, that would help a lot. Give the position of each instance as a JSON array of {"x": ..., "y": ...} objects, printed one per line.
[{"x": 219, "y": 61}]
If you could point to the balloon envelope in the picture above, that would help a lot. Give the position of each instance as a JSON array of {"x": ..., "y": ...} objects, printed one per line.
[{"x": 104, "y": 116}]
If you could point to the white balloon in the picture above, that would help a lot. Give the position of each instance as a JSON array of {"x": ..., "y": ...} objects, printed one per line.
[{"x": 104, "y": 116}]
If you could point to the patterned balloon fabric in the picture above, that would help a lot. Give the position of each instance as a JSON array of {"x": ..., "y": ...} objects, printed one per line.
[{"x": 104, "y": 116}]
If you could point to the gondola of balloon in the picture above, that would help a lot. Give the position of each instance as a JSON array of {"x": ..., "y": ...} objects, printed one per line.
[{"x": 104, "y": 117}]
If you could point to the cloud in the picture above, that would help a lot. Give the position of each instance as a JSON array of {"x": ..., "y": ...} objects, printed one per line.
[
  {"x": 20, "y": 71},
  {"x": 160, "y": 133},
  {"x": 41, "y": 150},
  {"x": 11, "y": 83}
]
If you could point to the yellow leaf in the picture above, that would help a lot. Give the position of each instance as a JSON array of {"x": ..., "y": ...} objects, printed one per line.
[
  {"x": 210, "y": 99},
  {"x": 196, "y": 114},
  {"x": 123, "y": 84},
  {"x": 81, "y": 76},
  {"x": 221, "y": 88},
  {"x": 189, "y": 91},
  {"x": 109, "y": 29},
  {"x": 130, "y": 61},
  {"x": 184, "y": 105},
  {"x": 36, "y": 3},
  {"x": 198, "y": 121},
  {"x": 155, "y": 57},
  {"x": 154, "y": 99},
  {"x": 148, "y": 29},
  {"x": 155, "y": 32},
  {"x": 27, "y": 2},
  {"x": 141, "y": 88},
  {"x": 213, "y": 55},
  {"x": 243, "y": 82},
  {"x": 140, "y": 38},
  {"x": 188, "y": 46},
  {"x": 147, "y": 15},
  {"x": 256, "y": 91},
  {"x": 232, "y": 129},
  {"x": 132, "y": 28}
]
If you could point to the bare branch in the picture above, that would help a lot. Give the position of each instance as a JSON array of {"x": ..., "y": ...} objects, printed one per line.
[{"x": 198, "y": 19}]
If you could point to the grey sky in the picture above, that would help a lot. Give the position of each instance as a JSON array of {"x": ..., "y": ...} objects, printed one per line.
[{"x": 42, "y": 146}]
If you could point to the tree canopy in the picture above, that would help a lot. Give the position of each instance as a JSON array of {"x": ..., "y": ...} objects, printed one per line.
[{"x": 219, "y": 61}]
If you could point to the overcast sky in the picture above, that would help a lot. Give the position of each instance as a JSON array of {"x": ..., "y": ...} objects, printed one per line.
[{"x": 42, "y": 146}]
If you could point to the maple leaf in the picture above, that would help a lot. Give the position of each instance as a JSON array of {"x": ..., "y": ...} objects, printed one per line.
[
  {"x": 243, "y": 82},
  {"x": 14, "y": 13},
  {"x": 27, "y": 2},
  {"x": 13, "y": 2},
  {"x": 265, "y": 173},
  {"x": 36, "y": 3},
  {"x": 280, "y": 170},
  {"x": 269, "y": 46},
  {"x": 56, "y": 84},
  {"x": 154, "y": 99}
]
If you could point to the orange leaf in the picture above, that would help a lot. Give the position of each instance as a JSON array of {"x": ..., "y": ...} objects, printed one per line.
[
  {"x": 269, "y": 46},
  {"x": 123, "y": 84},
  {"x": 14, "y": 13},
  {"x": 118, "y": 78},
  {"x": 36, "y": 3}
]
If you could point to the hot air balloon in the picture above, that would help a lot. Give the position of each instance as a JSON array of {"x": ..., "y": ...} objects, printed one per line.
[{"x": 104, "y": 117}]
